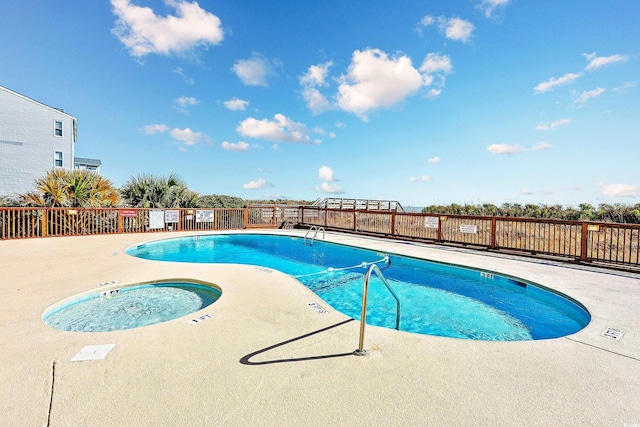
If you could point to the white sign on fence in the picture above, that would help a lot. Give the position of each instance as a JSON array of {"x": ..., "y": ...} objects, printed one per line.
[
  {"x": 431, "y": 222},
  {"x": 204, "y": 216},
  {"x": 469, "y": 229},
  {"x": 171, "y": 216},
  {"x": 156, "y": 219}
]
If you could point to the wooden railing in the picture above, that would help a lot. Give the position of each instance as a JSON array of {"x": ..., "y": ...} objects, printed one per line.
[
  {"x": 23, "y": 223},
  {"x": 609, "y": 244},
  {"x": 583, "y": 241}
]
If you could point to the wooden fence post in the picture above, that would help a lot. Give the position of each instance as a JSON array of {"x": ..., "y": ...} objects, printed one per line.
[
  {"x": 583, "y": 242},
  {"x": 393, "y": 223},
  {"x": 493, "y": 232},
  {"x": 45, "y": 216}
]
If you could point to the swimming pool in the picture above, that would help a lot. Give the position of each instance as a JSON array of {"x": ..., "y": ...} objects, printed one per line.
[
  {"x": 130, "y": 306},
  {"x": 437, "y": 299}
]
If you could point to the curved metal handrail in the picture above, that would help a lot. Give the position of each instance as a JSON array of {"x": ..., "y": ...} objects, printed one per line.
[
  {"x": 313, "y": 238},
  {"x": 360, "y": 351}
]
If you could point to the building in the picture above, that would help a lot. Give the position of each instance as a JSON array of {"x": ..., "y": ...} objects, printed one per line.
[
  {"x": 34, "y": 138},
  {"x": 93, "y": 165}
]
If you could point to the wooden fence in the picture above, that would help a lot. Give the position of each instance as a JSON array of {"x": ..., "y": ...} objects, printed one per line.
[
  {"x": 608, "y": 244},
  {"x": 23, "y": 223}
]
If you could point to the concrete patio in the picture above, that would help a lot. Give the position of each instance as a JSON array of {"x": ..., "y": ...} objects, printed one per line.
[{"x": 264, "y": 358}]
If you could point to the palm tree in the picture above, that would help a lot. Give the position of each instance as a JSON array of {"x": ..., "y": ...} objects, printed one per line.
[
  {"x": 149, "y": 191},
  {"x": 77, "y": 189}
]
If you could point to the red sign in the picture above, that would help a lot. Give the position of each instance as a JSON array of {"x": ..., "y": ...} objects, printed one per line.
[{"x": 128, "y": 213}]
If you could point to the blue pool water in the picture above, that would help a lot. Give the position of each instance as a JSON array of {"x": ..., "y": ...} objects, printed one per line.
[
  {"x": 436, "y": 299},
  {"x": 130, "y": 307}
]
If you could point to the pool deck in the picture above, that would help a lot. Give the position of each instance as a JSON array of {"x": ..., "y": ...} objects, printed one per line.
[{"x": 265, "y": 358}]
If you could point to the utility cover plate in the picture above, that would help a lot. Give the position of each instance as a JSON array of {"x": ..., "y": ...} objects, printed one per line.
[
  {"x": 614, "y": 334},
  {"x": 93, "y": 352},
  {"x": 317, "y": 308}
]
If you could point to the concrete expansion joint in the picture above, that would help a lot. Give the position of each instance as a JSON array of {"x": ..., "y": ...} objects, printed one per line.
[{"x": 603, "y": 349}]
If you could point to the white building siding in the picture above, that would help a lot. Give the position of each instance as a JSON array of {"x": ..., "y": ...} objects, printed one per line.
[{"x": 28, "y": 142}]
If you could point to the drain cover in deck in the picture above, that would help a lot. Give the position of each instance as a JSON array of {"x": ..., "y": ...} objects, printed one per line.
[
  {"x": 614, "y": 334},
  {"x": 93, "y": 352}
]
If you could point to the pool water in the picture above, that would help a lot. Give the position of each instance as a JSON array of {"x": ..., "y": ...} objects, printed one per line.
[
  {"x": 436, "y": 299},
  {"x": 131, "y": 307}
]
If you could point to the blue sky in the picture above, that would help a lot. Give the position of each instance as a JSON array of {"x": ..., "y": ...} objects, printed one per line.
[{"x": 425, "y": 102}]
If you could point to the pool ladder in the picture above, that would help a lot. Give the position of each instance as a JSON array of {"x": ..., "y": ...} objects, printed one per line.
[
  {"x": 360, "y": 351},
  {"x": 315, "y": 234}
]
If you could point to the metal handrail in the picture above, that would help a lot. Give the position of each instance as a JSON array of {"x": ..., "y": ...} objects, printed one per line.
[
  {"x": 360, "y": 351},
  {"x": 313, "y": 238}
]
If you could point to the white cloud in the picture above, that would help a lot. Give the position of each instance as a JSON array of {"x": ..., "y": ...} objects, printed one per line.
[
  {"x": 325, "y": 173},
  {"x": 183, "y": 104},
  {"x": 626, "y": 86},
  {"x": 143, "y": 32},
  {"x": 186, "y": 136},
  {"x": 256, "y": 184},
  {"x": 553, "y": 125},
  {"x": 525, "y": 192},
  {"x": 316, "y": 102},
  {"x": 541, "y": 146},
  {"x": 281, "y": 129},
  {"x": 435, "y": 67},
  {"x": 422, "y": 178},
  {"x": 325, "y": 187},
  {"x": 236, "y": 104},
  {"x": 153, "y": 129},
  {"x": 504, "y": 149},
  {"x": 488, "y": 7},
  {"x": 433, "y": 93},
  {"x": 316, "y": 75},
  {"x": 516, "y": 148},
  {"x": 587, "y": 95},
  {"x": 434, "y": 160},
  {"x": 238, "y": 146},
  {"x": 458, "y": 29},
  {"x": 255, "y": 70},
  {"x": 596, "y": 62},
  {"x": 452, "y": 28},
  {"x": 554, "y": 82},
  {"x": 374, "y": 80},
  {"x": 436, "y": 63},
  {"x": 427, "y": 20},
  {"x": 185, "y": 101},
  {"x": 620, "y": 190}
]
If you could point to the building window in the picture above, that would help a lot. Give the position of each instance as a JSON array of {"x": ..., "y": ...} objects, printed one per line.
[
  {"x": 57, "y": 159},
  {"x": 57, "y": 128}
]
